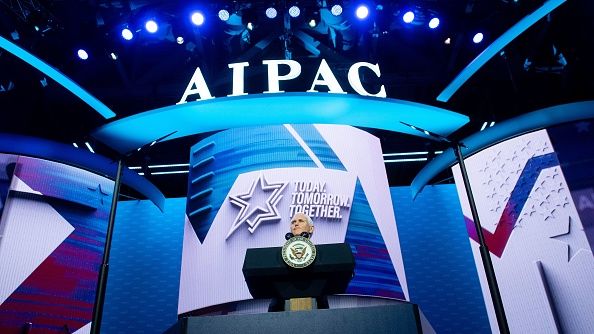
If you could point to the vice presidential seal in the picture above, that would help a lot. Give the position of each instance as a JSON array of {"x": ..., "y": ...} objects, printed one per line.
[{"x": 299, "y": 252}]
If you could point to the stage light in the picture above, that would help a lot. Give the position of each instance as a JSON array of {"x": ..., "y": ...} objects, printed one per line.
[
  {"x": 180, "y": 40},
  {"x": 336, "y": 10},
  {"x": 127, "y": 34},
  {"x": 362, "y": 12},
  {"x": 477, "y": 38},
  {"x": 113, "y": 56},
  {"x": 223, "y": 15},
  {"x": 82, "y": 54},
  {"x": 434, "y": 23},
  {"x": 89, "y": 147},
  {"x": 271, "y": 12},
  {"x": 294, "y": 11},
  {"x": 151, "y": 26},
  {"x": 197, "y": 18},
  {"x": 250, "y": 26},
  {"x": 408, "y": 17},
  {"x": 447, "y": 41},
  {"x": 312, "y": 23}
]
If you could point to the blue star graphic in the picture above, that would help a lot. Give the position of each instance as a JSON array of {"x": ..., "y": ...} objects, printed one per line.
[
  {"x": 100, "y": 193},
  {"x": 256, "y": 213}
]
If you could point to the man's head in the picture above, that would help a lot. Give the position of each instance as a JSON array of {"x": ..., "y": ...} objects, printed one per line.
[{"x": 301, "y": 223}]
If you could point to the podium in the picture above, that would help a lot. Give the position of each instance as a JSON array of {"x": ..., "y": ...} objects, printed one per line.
[{"x": 268, "y": 276}]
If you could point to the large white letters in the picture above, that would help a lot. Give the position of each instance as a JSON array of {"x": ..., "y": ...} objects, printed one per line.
[
  {"x": 274, "y": 77},
  {"x": 238, "y": 85},
  {"x": 323, "y": 77},
  {"x": 355, "y": 80},
  {"x": 328, "y": 79},
  {"x": 201, "y": 88}
]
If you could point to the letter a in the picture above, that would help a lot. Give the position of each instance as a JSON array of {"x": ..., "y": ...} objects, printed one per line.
[
  {"x": 327, "y": 79},
  {"x": 201, "y": 88}
]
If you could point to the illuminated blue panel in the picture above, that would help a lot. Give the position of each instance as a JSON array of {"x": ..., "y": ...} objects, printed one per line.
[
  {"x": 514, "y": 127},
  {"x": 58, "y": 77},
  {"x": 497, "y": 46},
  {"x": 49, "y": 150},
  {"x": 273, "y": 109}
]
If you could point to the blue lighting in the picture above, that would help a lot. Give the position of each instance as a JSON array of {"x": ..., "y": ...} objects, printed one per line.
[
  {"x": 271, "y": 12},
  {"x": 408, "y": 17},
  {"x": 221, "y": 113},
  {"x": 434, "y": 23},
  {"x": 478, "y": 37},
  {"x": 197, "y": 18},
  {"x": 336, "y": 10},
  {"x": 362, "y": 12},
  {"x": 127, "y": 34},
  {"x": 497, "y": 46},
  {"x": 60, "y": 78},
  {"x": 294, "y": 11},
  {"x": 151, "y": 26},
  {"x": 536, "y": 120},
  {"x": 223, "y": 15},
  {"x": 82, "y": 54}
]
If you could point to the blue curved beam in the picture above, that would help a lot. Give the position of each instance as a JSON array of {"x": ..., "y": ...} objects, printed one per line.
[
  {"x": 187, "y": 119},
  {"x": 514, "y": 127},
  {"x": 497, "y": 46},
  {"x": 58, "y": 77},
  {"x": 66, "y": 154}
]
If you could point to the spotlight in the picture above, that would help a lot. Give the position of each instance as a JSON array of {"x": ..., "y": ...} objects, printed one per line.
[
  {"x": 180, "y": 40},
  {"x": 447, "y": 41},
  {"x": 434, "y": 23},
  {"x": 271, "y": 12},
  {"x": 477, "y": 38},
  {"x": 127, "y": 34},
  {"x": 336, "y": 10},
  {"x": 362, "y": 12},
  {"x": 197, "y": 18},
  {"x": 223, "y": 15},
  {"x": 294, "y": 11},
  {"x": 408, "y": 17},
  {"x": 113, "y": 56},
  {"x": 250, "y": 26},
  {"x": 82, "y": 54},
  {"x": 151, "y": 26},
  {"x": 312, "y": 23}
]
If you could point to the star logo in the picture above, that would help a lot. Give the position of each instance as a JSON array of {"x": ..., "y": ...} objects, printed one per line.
[{"x": 258, "y": 205}]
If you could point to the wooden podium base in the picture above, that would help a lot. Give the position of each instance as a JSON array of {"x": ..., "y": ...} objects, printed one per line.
[{"x": 300, "y": 304}]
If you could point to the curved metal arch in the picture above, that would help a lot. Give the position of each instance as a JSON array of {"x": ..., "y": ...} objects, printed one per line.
[
  {"x": 187, "y": 119},
  {"x": 497, "y": 46},
  {"x": 68, "y": 155},
  {"x": 514, "y": 127},
  {"x": 60, "y": 78}
]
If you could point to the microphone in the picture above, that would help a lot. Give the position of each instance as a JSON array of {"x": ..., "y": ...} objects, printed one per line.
[{"x": 303, "y": 234}]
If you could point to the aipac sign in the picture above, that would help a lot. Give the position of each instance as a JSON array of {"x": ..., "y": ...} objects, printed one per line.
[{"x": 324, "y": 77}]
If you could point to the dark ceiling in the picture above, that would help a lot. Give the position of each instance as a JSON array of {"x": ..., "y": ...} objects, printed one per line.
[{"x": 549, "y": 64}]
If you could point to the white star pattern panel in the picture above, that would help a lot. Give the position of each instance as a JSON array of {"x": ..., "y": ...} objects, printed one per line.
[{"x": 544, "y": 265}]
